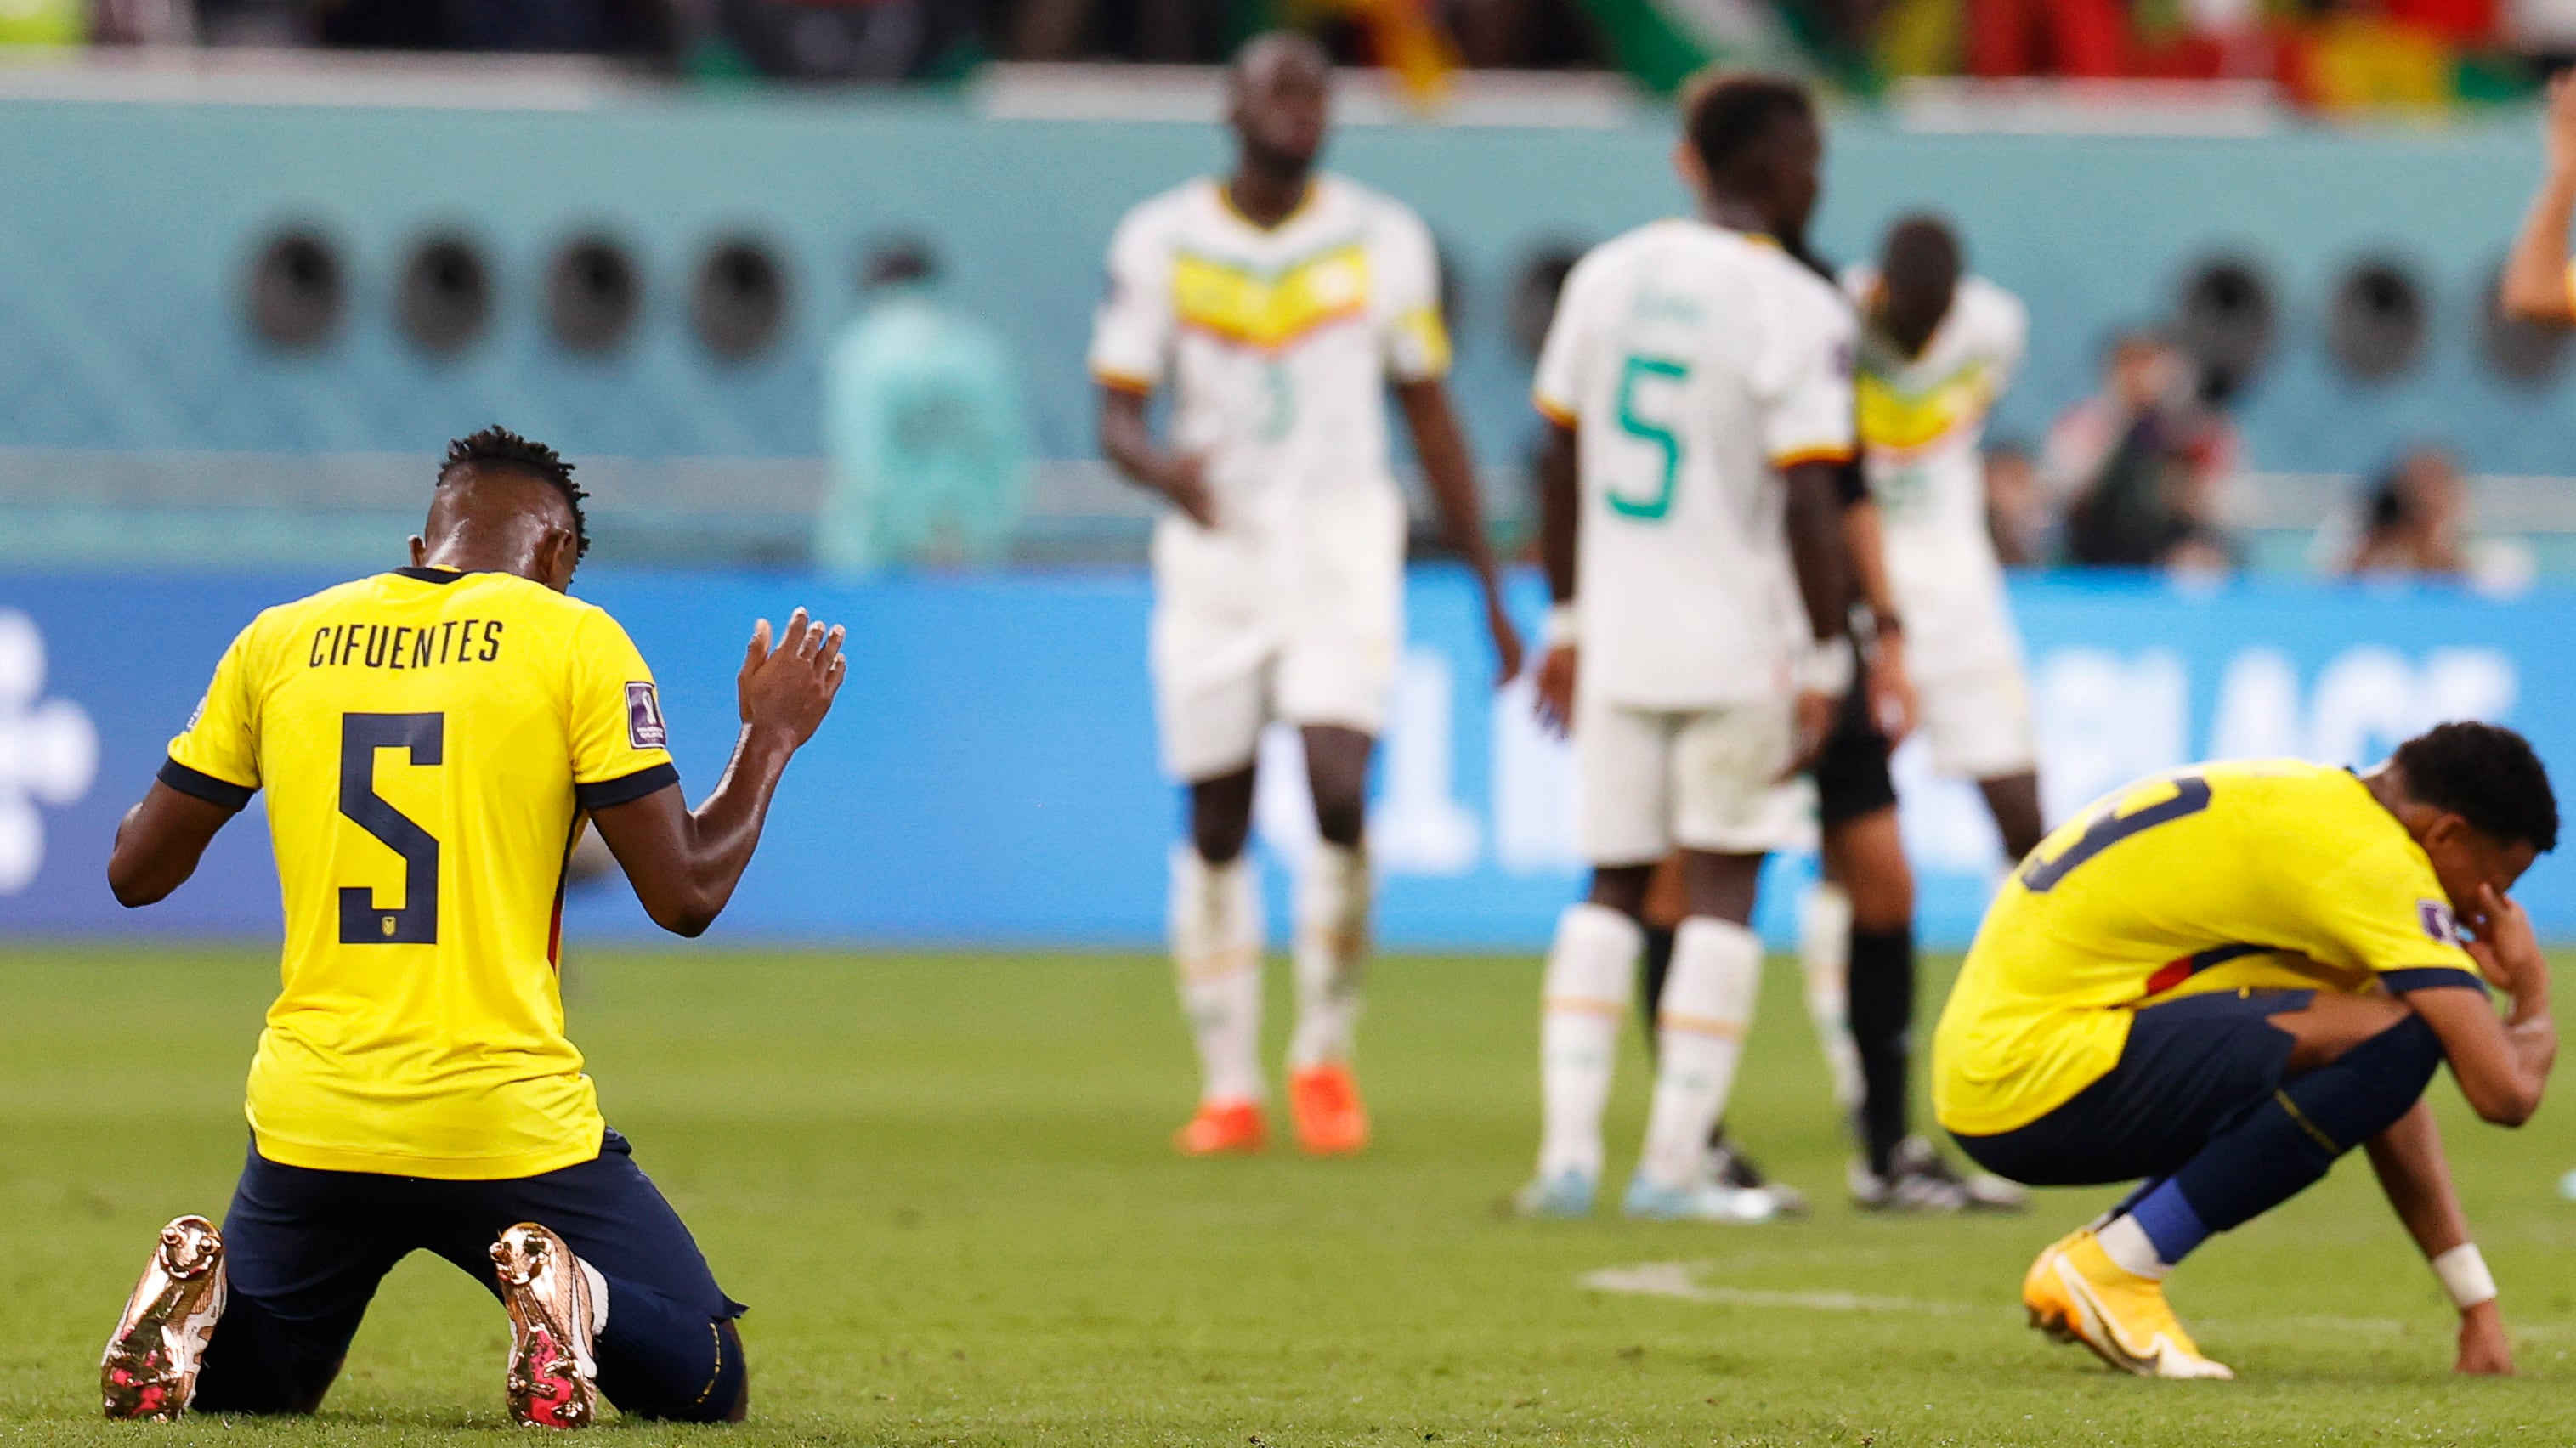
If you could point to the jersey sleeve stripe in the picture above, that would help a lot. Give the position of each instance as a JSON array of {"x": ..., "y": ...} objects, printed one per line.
[
  {"x": 1553, "y": 410},
  {"x": 2430, "y": 977},
  {"x": 198, "y": 784},
  {"x": 626, "y": 789},
  {"x": 1797, "y": 457},
  {"x": 1123, "y": 381}
]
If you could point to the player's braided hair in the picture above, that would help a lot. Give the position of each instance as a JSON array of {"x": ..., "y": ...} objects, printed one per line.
[
  {"x": 497, "y": 446},
  {"x": 2486, "y": 774},
  {"x": 1727, "y": 114}
]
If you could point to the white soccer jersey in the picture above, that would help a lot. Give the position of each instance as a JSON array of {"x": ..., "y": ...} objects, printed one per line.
[
  {"x": 1695, "y": 362},
  {"x": 1278, "y": 343},
  {"x": 1922, "y": 428}
]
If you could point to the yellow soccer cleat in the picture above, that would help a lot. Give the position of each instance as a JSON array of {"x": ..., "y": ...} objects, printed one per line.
[{"x": 2076, "y": 1293}]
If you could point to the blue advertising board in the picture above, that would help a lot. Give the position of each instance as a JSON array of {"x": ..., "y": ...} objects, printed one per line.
[{"x": 989, "y": 776}]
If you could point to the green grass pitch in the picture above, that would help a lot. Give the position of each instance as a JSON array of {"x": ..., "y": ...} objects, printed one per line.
[{"x": 942, "y": 1183}]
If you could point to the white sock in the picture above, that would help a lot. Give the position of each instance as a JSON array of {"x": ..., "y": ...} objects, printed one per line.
[
  {"x": 1591, "y": 969},
  {"x": 1824, "y": 953},
  {"x": 1332, "y": 946},
  {"x": 1216, "y": 954},
  {"x": 598, "y": 1297},
  {"x": 1699, "y": 1037},
  {"x": 2128, "y": 1246}
]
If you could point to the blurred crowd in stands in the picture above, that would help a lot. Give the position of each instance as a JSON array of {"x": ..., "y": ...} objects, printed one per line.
[{"x": 2328, "y": 54}]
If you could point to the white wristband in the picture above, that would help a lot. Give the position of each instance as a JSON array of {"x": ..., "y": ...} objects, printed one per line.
[
  {"x": 1827, "y": 668},
  {"x": 2464, "y": 1273},
  {"x": 1563, "y": 628}
]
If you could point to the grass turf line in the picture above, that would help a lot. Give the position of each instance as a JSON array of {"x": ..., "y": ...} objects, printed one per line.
[{"x": 943, "y": 1183}]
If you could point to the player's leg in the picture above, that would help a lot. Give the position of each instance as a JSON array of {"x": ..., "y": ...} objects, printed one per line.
[
  {"x": 1620, "y": 756},
  {"x": 1979, "y": 726},
  {"x": 1332, "y": 943},
  {"x": 1210, "y": 696},
  {"x": 637, "y": 1301},
  {"x": 2356, "y": 1064},
  {"x": 302, "y": 1254},
  {"x": 1667, "y": 904},
  {"x": 1867, "y": 855},
  {"x": 2013, "y": 799},
  {"x": 2253, "y": 1096},
  {"x": 1852, "y": 782},
  {"x": 1335, "y": 672},
  {"x": 1728, "y": 812},
  {"x": 1216, "y": 937}
]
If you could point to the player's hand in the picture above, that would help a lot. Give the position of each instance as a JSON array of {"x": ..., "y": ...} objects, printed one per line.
[
  {"x": 1555, "y": 684},
  {"x": 2507, "y": 952},
  {"x": 1184, "y": 481},
  {"x": 790, "y": 688},
  {"x": 1815, "y": 724},
  {"x": 2483, "y": 1349},
  {"x": 1891, "y": 688},
  {"x": 1508, "y": 657},
  {"x": 2558, "y": 129}
]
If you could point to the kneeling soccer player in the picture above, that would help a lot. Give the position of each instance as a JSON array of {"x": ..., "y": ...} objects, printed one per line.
[
  {"x": 431, "y": 740},
  {"x": 2225, "y": 977}
]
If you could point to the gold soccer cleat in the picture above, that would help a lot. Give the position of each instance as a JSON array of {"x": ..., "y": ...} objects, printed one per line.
[
  {"x": 149, "y": 1372},
  {"x": 553, "y": 1381},
  {"x": 2076, "y": 1293}
]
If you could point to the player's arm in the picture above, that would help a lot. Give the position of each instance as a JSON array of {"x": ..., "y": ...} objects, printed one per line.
[
  {"x": 2417, "y": 1178},
  {"x": 2534, "y": 285},
  {"x": 1560, "y": 514},
  {"x": 1819, "y": 555},
  {"x": 159, "y": 843},
  {"x": 2502, "y": 1065},
  {"x": 1450, "y": 473},
  {"x": 210, "y": 776},
  {"x": 1891, "y": 688},
  {"x": 685, "y": 863},
  {"x": 1127, "y": 439}
]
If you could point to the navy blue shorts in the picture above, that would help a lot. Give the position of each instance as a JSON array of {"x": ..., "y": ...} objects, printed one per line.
[
  {"x": 2190, "y": 1068},
  {"x": 305, "y": 1249}
]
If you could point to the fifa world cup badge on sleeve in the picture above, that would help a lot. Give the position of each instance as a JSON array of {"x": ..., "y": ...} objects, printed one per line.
[
  {"x": 2439, "y": 922},
  {"x": 644, "y": 718}
]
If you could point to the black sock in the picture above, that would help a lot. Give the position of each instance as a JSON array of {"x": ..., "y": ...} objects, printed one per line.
[
  {"x": 1880, "y": 1008},
  {"x": 1659, "y": 964}
]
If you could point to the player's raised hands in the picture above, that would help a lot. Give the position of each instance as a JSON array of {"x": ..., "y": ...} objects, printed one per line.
[{"x": 791, "y": 687}]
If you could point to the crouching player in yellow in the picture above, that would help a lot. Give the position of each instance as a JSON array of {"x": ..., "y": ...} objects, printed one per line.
[{"x": 2223, "y": 978}]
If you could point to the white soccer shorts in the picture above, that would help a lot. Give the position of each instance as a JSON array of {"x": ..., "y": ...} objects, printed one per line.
[
  {"x": 1703, "y": 779},
  {"x": 1978, "y": 723},
  {"x": 1217, "y": 683}
]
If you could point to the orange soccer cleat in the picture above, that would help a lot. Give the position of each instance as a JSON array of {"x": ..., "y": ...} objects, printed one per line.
[
  {"x": 1224, "y": 1128},
  {"x": 1325, "y": 1100}
]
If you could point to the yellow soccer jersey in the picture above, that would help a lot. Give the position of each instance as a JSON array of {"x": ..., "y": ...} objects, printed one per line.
[
  {"x": 2268, "y": 873},
  {"x": 429, "y": 741}
]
